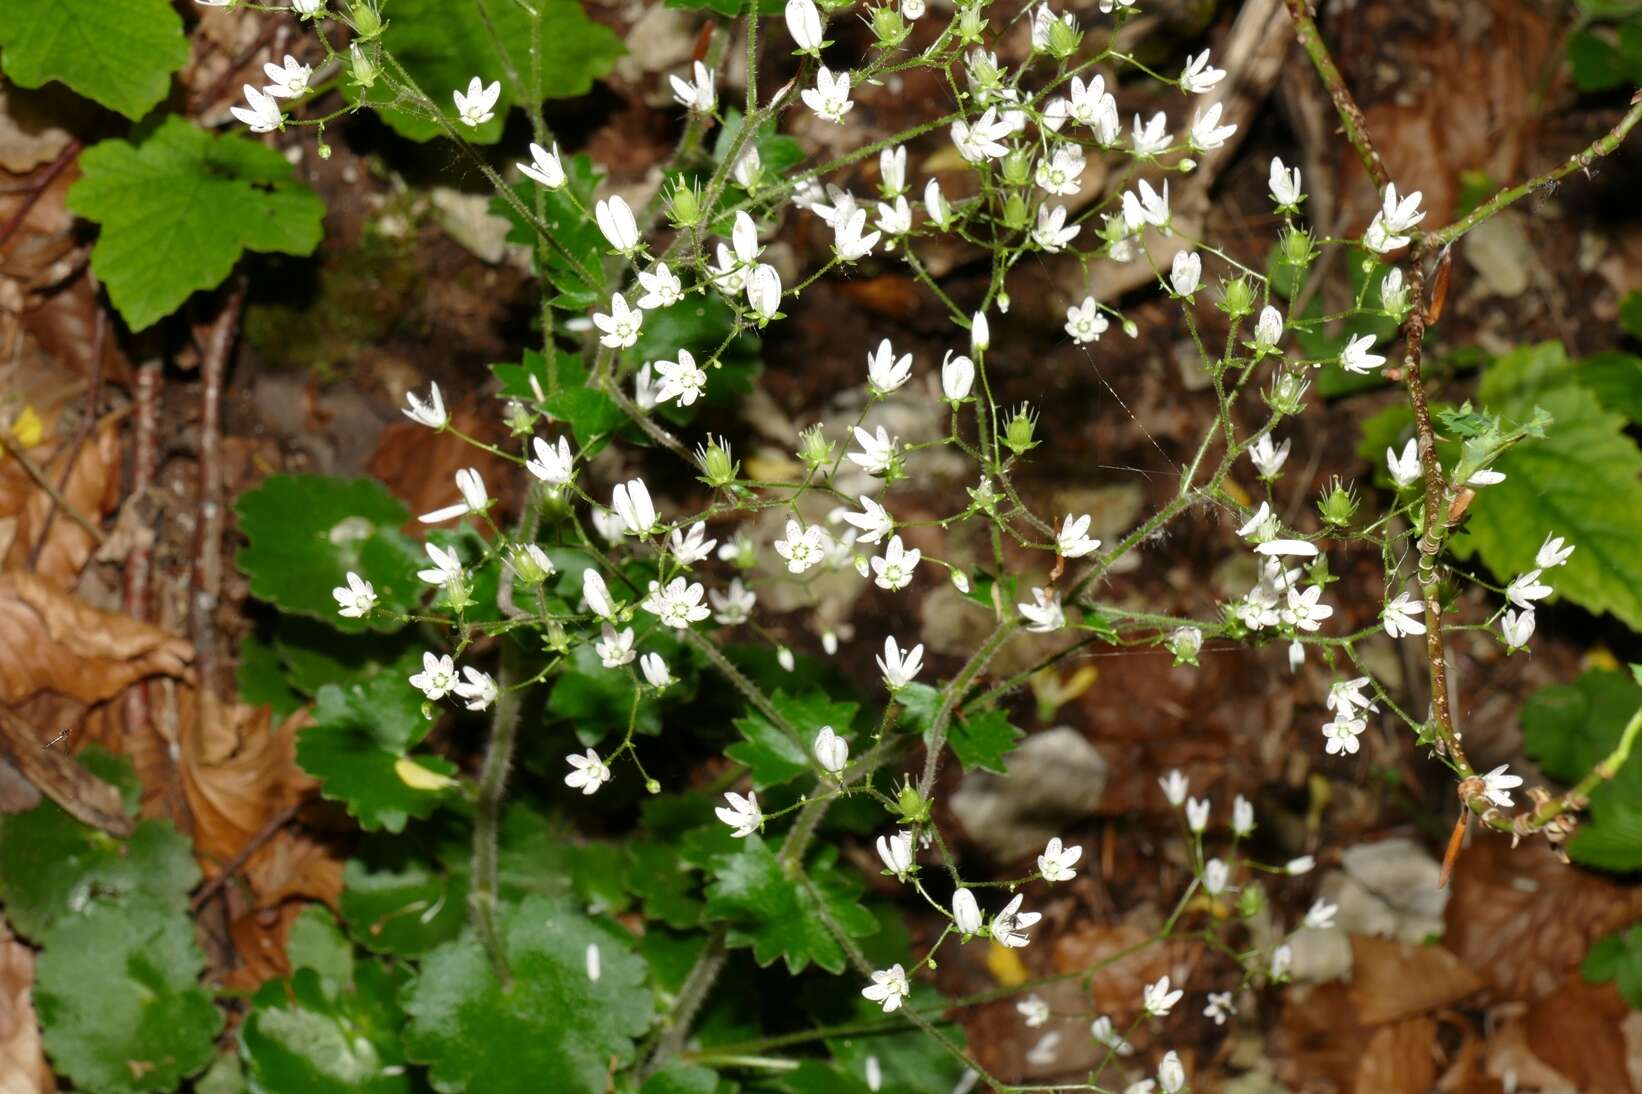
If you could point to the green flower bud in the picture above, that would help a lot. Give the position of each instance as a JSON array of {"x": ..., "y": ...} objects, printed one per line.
[
  {"x": 984, "y": 496},
  {"x": 1250, "y": 900},
  {"x": 1014, "y": 212},
  {"x": 684, "y": 205},
  {"x": 324, "y": 149},
  {"x": 1019, "y": 433},
  {"x": 814, "y": 449},
  {"x": 913, "y": 806},
  {"x": 366, "y": 20},
  {"x": 1338, "y": 504},
  {"x": 1238, "y": 300},
  {"x": 718, "y": 467},
  {"x": 1296, "y": 247},
  {"x": 529, "y": 567},
  {"x": 1287, "y": 393},
  {"x": 519, "y": 418},
  {"x": 889, "y": 27},
  {"x": 971, "y": 24},
  {"x": 361, "y": 67},
  {"x": 1063, "y": 40},
  {"x": 1017, "y": 167}
]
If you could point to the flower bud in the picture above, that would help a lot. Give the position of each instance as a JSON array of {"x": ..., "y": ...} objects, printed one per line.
[
  {"x": 957, "y": 377},
  {"x": 1238, "y": 300},
  {"x": 1017, "y": 171},
  {"x": 1185, "y": 643},
  {"x": 814, "y": 449},
  {"x": 980, "y": 333},
  {"x": 323, "y": 149},
  {"x": 1295, "y": 247},
  {"x": 1014, "y": 212},
  {"x": 1063, "y": 39},
  {"x": 531, "y": 563},
  {"x": 1338, "y": 504},
  {"x": 1393, "y": 293},
  {"x": 889, "y": 26},
  {"x": 1287, "y": 393},
  {"x": 684, "y": 205},
  {"x": 366, "y": 20},
  {"x": 912, "y": 806},
  {"x": 1250, "y": 900},
  {"x": 984, "y": 496},
  {"x": 718, "y": 467},
  {"x": 971, "y": 24},
  {"x": 1018, "y": 435},
  {"x": 520, "y": 421},
  {"x": 361, "y": 67}
]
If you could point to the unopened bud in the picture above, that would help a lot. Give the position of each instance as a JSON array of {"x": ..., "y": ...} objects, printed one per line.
[
  {"x": 1019, "y": 434},
  {"x": 1338, "y": 504}
]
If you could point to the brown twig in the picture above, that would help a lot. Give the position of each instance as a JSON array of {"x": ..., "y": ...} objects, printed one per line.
[
  {"x": 58, "y": 166},
  {"x": 1351, "y": 115},
  {"x": 32, "y": 469},
  {"x": 81, "y": 794},
  {"x": 144, "y": 458},
  {"x": 219, "y": 340},
  {"x": 264, "y": 834}
]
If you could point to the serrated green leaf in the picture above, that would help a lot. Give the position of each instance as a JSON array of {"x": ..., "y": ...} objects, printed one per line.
[
  {"x": 577, "y": 248},
  {"x": 310, "y": 1034},
  {"x": 261, "y": 678},
  {"x": 118, "y": 995},
  {"x": 983, "y": 740},
  {"x": 664, "y": 882},
  {"x": 51, "y": 864},
  {"x": 178, "y": 206},
  {"x": 1615, "y": 379},
  {"x": 307, "y": 532},
  {"x": 591, "y": 414},
  {"x": 1568, "y": 729},
  {"x": 121, "y": 53},
  {"x": 781, "y": 916},
  {"x": 1580, "y": 481},
  {"x": 1617, "y": 957},
  {"x": 443, "y": 45},
  {"x": 1630, "y": 313},
  {"x": 554, "y": 1022},
  {"x": 775, "y": 757},
  {"x": 522, "y": 380},
  {"x": 313, "y": 654},
  {"x": 358, "y": 737}
]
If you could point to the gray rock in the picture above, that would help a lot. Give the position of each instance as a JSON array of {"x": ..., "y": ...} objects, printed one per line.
[{"x": 1054, "y": 777}]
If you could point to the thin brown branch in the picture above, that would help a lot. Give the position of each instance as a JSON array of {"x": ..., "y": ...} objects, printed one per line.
[
  {"x": 234, "y": 865},
  {"x": 219, "y": 341},
  {"x": 43, "y": 481},
  {"x": 1351, "y": 115}
]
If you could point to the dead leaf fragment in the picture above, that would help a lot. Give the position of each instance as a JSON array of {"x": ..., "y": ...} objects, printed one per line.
[
  {"x": 23, "y": 1067},
  {"x": 1392, "y": 980}
]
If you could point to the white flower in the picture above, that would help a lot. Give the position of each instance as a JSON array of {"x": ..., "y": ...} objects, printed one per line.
[
  {"x": 655, "y": 671},
  {"x": 1268, "y": 328},
  {"x": 1056, "y": 862},
  {"x": 697, "y": 94},
  {"x": 478, "y": 689},
  {"x": 615, "y": 648},
  {"x": 1034, "y": 1010},
  {"x": 1174, "y": 786},
  {"x": 545, "y": 167},
  {"x": 1269, "y": 458},
  {"x": 437, "y": 678},
  {"x": 1153, "y": 136},
  {"x": 1552, "y": 552},
  {"x": 912, "y": 9},
  {"x": 1061, "y": 171},
  {"x": 1207, "y": 132},
  {"x": 588, "y": 772},
  {"x": 1199, "y": 76},
  {"x": 1341, "y": 734},
  {"x": 1171, "y": 1076},
  {"x": 873, "y": 520},
  {"x": 843, "y": 206},
  {"x": 832, "y": 752},
  {"x": 1497, "y": 786},
  {"x": 1405, "y": 469},
  {"x": 896, "y": 851},
  {"x": 1052, "y": 232},
  {"x": 593, "y": 961},
  {"x": 749, "y": 168},
  {"x": 1215, "y": 875},
  {"x": 1186, "y": 272},
  {"x": 554, "y": 465},
  {"x": 679, "y": 604},
  {"x": 261, "y": 114},
  {"x": 1298, "y": 866},
  {"x": 1073, "y": 540},
  {"x": 446, "y": 568},
  {"x": 742, "y": 815},
  {"x": 894, "y": 568},
  {"x": 1402, "y": 616},
  {"x": 681, "y": 380},
  {"x": 848, "y": 238},
  {"x": 631, "y": 502},
  {"x": 764, "y": 291},
  {"x": 1085, "y": 322},
  {"x": 1400, "y": 215},
  {"x": 1242, "y": 816},
  {"x": 1009, "y": 926},
  {"x": 616, "y": 224},
  {"x": 892, "y": 170},
  {"x": 957, "y": 376},
  {"x": 935, "y": 203},
  {"x": 1281, "y": 958},
  {"x": 784, "y": 658},
  {"x": 1147, "y": 207},
  {"x": 474, "y": 498},
  {"x": 895, "y": 220},
  {"x": 889, "y": 988},
  {"x": 1321, "y": 915},
  {"x": 1356, "y": 356},
  {"x": 1392, "y": 296},
  {"x": 1346, "y": 698},
  {"x": 597, "y": 595},
  {"x": 1297, "y": 548},
  {"x": 1044, "y": 614},
  {"x": 1101, "y": 1030},
  {"x": 621, "y": 325},
  {"x": 733, "y": 606},
  {"x": 980, "y": 333},
  {"x": 1305, "y": 609},
  {"x": 1517, "y": 628},
  {"x": 899, "y": 668},
  {"x": 661, "y": 286},
  {"x": 804, "y": 24},
  {"x": 1043, "y": 1054},
  {"x": 886, "y": 372},
  {"x": 691, "y": 545},
  {"x": 877, "y": 451},
  {"x": 1527, "y": 588},
  {"x": 1284, "y": 184},
  {"x": 1185, "y": 643},
  {"x": 1158, "y": 1000},
  {"x": 287, "y": 80},
  {"x": 1197, "y": 813},
  {"x": 803, "y": 547},
  {"x": 307, "y": 8},
  {"x": 966, "y": 914},
  {"x": 478, "y": 106},
  {"x": 980, "y": 141},
  {"x": 431, "y": 413},
  {"x": 830, "y": 97},
  {"x": 1486, "y": 477}
]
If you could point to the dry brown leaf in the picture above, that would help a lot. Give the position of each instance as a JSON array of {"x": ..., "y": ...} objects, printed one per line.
[
  {"x": 1393, "y": 980},
  {"x": 421, "y": 468},
  {"x": 259, "y": 939},
  {"x": 53, "y": 642},
  {"x": 294, "y": 864},
  {"x": 1524, "y": 920},
  {"x": 1576, "y": 1031},
  {"x": 238, "y": 773},
  {"x": 1398, "y": 1059},
  {"x": 23, "y": 1067},
  {"x": 1116, "y": 988},
  {"x": 1317, "y": 1043},
  {"x": 91, "y": 490},
  {"x": 1510, "y": 1054}
]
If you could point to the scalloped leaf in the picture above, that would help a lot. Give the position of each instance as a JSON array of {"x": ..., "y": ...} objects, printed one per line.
[{"x": 120, "y": 53}]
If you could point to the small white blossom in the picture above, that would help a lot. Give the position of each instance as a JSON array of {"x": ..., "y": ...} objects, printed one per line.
[
  {"x": 631, "y": 502},
  {"x": 1552, "y": 553},
  {"x": 873, "y": 520},
  {"x": 288, "y": 80},
  {"x": 734, "y": 605},
  {"x": 587, "y": 773},
  {"x": 1405, "y": 468},
  {"x": 1151, "y": 137},
  {"x": 544, "y": 167},
  {"x": 1158, "y": 999},
  {"x": 1033, "y": 1010},
  {"x": 431, "y": 413},
  {"x": 1346, "y": 698},
  {"x": 1357, "y": 358},
  {"x": 697, "y": 94},
  {"x": 661, "y": 286},
  {"x": 742, "y": 815},
  {"x": 615, "y": 648},
  {"x": 261, "y": 114},
  {"x": 655, "y": 670},
  {"x": 1497, "y": 786},
  {"x": 1321, "y": 915},
  {"x": 1200, "y": 76},
  {"x": 1061, "y": 171},
  {"x": 1305, "y": 608},
  {"x": 894, "y": 568},
  {"x": 1242, "y": 816},
  {"x": 1517, "y": 627},
  {"x": 1052, "y": 232},
  {"x": 803, "y": 547},
  {"x": 593, "y": 961},
  {"x": 764, "y": 291},
  {"x": 1174, "y": 786},
  {"x": 877, "y": 451},
  {"x": 886, "y": 372},
  {"x": 1527, "y": 588},
  {"x": 1215, "y": 875},
  {"x": 1043, "y": 615},
  {"x": 597, "y": 595},
  {"x": 478, "y": 106},
  {"x": 889, "y": 988},
  {"x": 850, "y": 238},
  {"x": 1197, "y": 814},
  {"x": 832, "y": 752},
  {"x": 617, "y": 224},
  {"x": 1171, "y": 1076},
  {"x": 1341, "y": 735},
  {"x": 437, "y": 678},
  {"x": 678, "y": 604},
  {"x": 621, "y": 325},
  {"x": 1297, "y": 866},
  {"x": 1143, "y": 205},
  {"x": 1282, "y": 958},
  {"x": 478, "y": 688},
  {"x": 830, "y": 97},
  {"x": 981, "y": 140},
  {"x": 1186, "y": 272},
  {"x": 1284, "y": 184},
  {"x": 957, "y": 376},
  {"x": 1402, "y": 616},
  {"x": 1268, "y": 328},
  {"x": 1486, "y": 477},
  {"x": 1102, "y": 1030},
  {"x": 1010, "y": 925},
  {"x": 474, "y": 498},
  {"x": 900, "y": 668},
  {"x": 1085, "y": 322},
  {"x": 691, "y": 545},
  {"x": 1073, "y": 539},
  {"x": 980, "y": 333},
  {"x": 804, "y": 24},
  {"x": 1057, "y": 861},
  {"x": 682, "y": 380},
  {"x": 446, "y": 568},
  {"x": 1268, "y": 458},
  {"x": 936, "y": 205},
  {"x": 1207, "y": 132},
  {"x": 896, "y": 851}
]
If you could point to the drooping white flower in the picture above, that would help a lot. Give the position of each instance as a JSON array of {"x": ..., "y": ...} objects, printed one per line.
[
  {"x": 1143, "y": 205},
  {"x": 889, "y": 988},
  {"x": 1073, "y": 539},
  {"x": 478, "y": 688},
  {"x": 804, "y": 24},
  {"x": 655, "y": 670},
  {"x": 886, "y": 372},
  {"x": 896, "y": 851},
  {"x": 966, "y": 914},
  {"x": 662, "y": 288},
  {"x": 1498, "y": 784},
  {"x": 1517, "y": 628},
  {"x": 894, "y": 568},
  {"x": 1033, "y": 1010},
  {"x": 894, "y": 220},
  {"x": 631, "y": 502},
  {"x": 803, "y": 546},
  {"x": 1357, "y": 358},
  {"x": 850, "y": 238},
  {"x": 1207, "y": 132},
  {"x": 1321, "y": 915},
  {"x": 437, "y": 678},
  {"x": 1174, "y": 786},
  {"x": 1052, "y": 232},
  {"x": 1057, "y": 861},
  {"x": 877, "y": 451},
  {"x": 1085, "y": 322},
  {"x": 287, "y": 80},
  {"x": 900, "y": 668},
  {"x": 1171, "y": 1076},
  {"x": 597, "y": 595},
  {"x": 1284, "y": 184},
  {"x": 1197, "y": 814},
  {"x": 1242, "y": 816},
  {"x": 1405, "y": 468},
  {"x": 734, "y": 605},
  {"x": 1009, "y": 926},
  {"x": 615, "y": 648},
  {"x": 764, "y": 291},
  {"x": 1151, "y": 137},
  {"x": 832, "y": 752},
  {"x": 587, "y": 772},
  {"x": 1269, "y": 458},
  {"x": 617, "y": 224},
  {"x": 478, "y": 106},
  {"x": 678, "y": 604},
  {"x": 544, "y": 167},
  {"x": 474, "y": 498},
  {"x": 1186, "y": 273},
  {"x": 690, "y": 545},
  {"x": 261, "y": 113},
  {"x": 1102, "y": 1030},
  {"x": 697, "y": 94},
  {"x": 1157, "y": 999},
  {"x": 446, "y": 568},
  {"x": 681, "y": 380},
  {"x": 1552, "y": 553},
  {"x": 1527, "y": 588},
  {"x": 621, "y": 325},
  {"x": 742, "y": 815},
  {"x": 829, "y": 99},
  {"x": 431, "y": 413},
  {"x": 1043, "y": 615},
  {"x": 957, "y": 376},
  {"x": 874, "y": 521},
  {"x": 1402, "y": 616}
]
